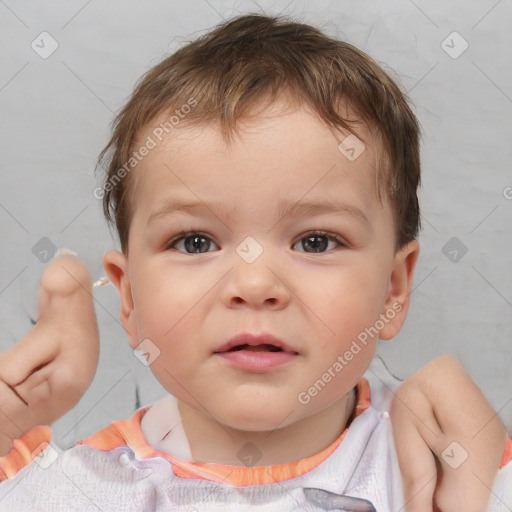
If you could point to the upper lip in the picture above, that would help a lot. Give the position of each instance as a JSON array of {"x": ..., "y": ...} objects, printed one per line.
[{"x": 246, "y": 338}]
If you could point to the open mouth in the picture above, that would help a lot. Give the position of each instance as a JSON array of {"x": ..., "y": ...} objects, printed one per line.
[
  {"x": 256, "y": 348},
  {"x": 259, "y": 356}
]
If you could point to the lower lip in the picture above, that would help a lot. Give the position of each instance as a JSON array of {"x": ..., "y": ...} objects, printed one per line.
[{"x": 257, "y": 361}]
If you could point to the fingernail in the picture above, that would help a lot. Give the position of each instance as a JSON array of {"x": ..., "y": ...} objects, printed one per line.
[{"x": 65, "y": 252}]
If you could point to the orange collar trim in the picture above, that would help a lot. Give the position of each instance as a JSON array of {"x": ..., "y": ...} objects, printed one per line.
[{"x": 129, "y": 433}]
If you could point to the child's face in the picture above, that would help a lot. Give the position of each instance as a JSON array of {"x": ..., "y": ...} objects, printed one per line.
[{"x": 189, "y": 302}]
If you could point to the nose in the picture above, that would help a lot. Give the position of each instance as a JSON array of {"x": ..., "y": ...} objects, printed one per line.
[{"x": 255, "y": 285}]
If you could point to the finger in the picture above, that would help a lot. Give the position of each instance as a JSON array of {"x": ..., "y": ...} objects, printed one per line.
[
  {"x": 462, "y": 492},
  {"x": 418, "y": 468},
  {"x": 459, "y": 399},
  {"x": 64, "y": 275},
  {"x": 66, "y": 301},
  {"x": 472, "y": 441},
  {"x": 469, "y": 467},
  {"x": 61, "y": 279},
  {"x": 411, "y": 406},
  {"x": 16, "y": 417},
  {"x": 28, "y": 355},
  {"x": 414, "y": 427}
]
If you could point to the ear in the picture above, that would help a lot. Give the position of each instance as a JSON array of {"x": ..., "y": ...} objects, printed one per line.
[
  {"x": 115, "y": 264},
  {"x": 399, "y": 293}
]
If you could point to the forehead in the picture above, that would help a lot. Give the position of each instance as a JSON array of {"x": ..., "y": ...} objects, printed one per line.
[{"x": 279, "y": 150}]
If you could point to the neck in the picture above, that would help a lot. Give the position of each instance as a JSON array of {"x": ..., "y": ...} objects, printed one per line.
[{"x": 213, "y": 442}]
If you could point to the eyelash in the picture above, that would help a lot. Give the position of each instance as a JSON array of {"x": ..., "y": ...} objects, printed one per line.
[{"x": 318, "y": 232}]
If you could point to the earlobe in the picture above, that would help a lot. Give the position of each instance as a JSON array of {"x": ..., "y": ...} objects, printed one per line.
[
  {"x": 400, "y": 284},
  {"x": 115, "y": 264}
]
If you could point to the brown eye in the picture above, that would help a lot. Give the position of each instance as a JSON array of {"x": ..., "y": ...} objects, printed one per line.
[
  {"x": 318, "y": 242},
  {"x": 191, "y": 243}
]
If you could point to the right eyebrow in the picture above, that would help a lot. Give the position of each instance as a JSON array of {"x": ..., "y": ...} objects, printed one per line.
[{"x": 191, "y": 206}]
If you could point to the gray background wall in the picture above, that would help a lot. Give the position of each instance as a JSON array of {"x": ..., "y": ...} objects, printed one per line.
[{"x": 55, "y": 114}]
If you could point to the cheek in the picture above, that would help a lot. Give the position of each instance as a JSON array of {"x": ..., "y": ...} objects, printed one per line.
[
  {"x": 348, "y": 307},
  {"x": 172, "y": 305},
  {"x": 350, "y": 301},
  {"x": 163, "y": 295}
]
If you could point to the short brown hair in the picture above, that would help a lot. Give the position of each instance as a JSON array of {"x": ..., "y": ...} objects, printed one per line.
[{"x": 253, "y": 57}]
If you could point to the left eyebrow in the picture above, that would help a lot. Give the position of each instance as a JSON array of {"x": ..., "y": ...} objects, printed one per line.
[{"x": 306, "y": 209}]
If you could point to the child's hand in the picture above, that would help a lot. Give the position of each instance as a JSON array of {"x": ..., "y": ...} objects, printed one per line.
[
  {"x": 437, "y": 406},
  {"x": 46, "y": 373}
]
